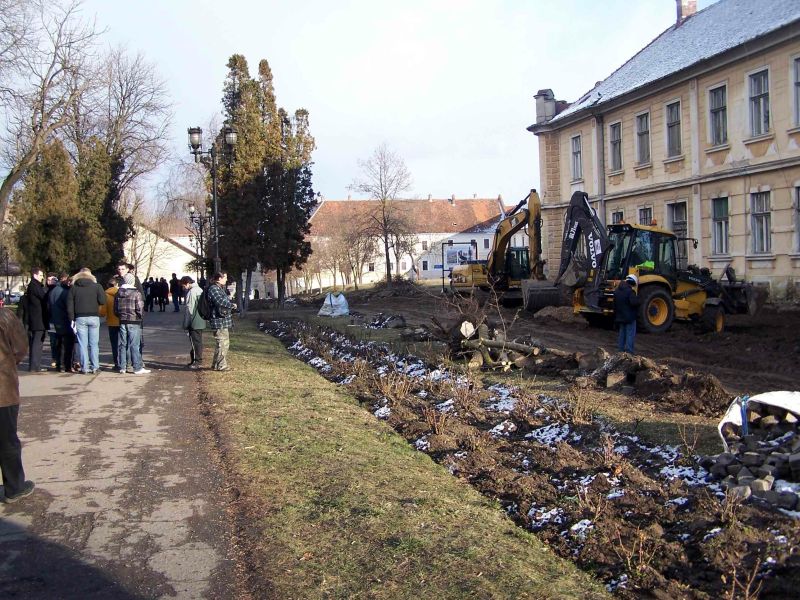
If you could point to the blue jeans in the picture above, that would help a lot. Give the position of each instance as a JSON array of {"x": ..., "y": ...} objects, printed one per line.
[
  {"x": 130, "y": 336},
  {"x": 89, "y": 343},
  {"x": 627, "y": 333}
]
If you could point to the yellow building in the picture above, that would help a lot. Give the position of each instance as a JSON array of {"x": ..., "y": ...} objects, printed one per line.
[{"x": 699, "y": 131}]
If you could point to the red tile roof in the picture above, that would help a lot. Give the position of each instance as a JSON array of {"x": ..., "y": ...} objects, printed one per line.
[{"x": 471, "y": 215}]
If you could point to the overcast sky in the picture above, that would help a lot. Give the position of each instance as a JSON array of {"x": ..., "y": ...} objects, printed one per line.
[{"x": 448, "y": 85}]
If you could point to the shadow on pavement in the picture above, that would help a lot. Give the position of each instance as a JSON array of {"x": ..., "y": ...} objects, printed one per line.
[{"x": 33, "y": 568}]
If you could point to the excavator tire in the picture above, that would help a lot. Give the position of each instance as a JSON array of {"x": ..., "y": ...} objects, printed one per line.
[
  {"x": 656, "y": 310},
  {"x": 713, "y": 319}
]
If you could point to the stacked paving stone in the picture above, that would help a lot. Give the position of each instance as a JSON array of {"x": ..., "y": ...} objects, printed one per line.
[{"x": 769, "y": 451}]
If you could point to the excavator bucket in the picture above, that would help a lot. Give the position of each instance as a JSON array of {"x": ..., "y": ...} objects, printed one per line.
[{"x": 536, "y": 295}]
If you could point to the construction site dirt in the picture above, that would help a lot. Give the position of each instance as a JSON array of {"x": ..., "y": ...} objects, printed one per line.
[{"x": 753, "y": 355}]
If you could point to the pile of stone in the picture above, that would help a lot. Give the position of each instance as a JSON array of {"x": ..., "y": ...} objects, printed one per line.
[{"x": 767, "y": 452}]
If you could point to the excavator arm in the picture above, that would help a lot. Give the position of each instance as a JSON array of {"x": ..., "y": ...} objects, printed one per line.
[
  {"x": 582, "y": 264},
  {"x": 512, "y": 222}
]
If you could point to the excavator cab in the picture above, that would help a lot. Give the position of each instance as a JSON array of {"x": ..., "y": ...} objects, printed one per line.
[
  {"x": 517, "y": 265},
  {"x": 642, "y": 250}
]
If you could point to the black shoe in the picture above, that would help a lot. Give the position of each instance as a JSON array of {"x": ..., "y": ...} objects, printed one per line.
[{"x": 27, "y": 490}]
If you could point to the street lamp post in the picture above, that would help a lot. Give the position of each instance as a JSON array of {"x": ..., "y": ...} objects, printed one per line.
[
  {"x": 199, "y": 220},
  {"x": 209, "y": 159}
]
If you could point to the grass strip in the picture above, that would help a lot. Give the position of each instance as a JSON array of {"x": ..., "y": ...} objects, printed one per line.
[{"x": 347, "y": 509}]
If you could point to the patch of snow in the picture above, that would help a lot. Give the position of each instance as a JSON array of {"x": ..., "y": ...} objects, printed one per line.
[
  {"x": 712, "y": 533},
  {"x": 446, "y": 406},
  {"x": 680, "y": 501},
  {"x": 541, "y": 516},
  {"x": 582, "y": 528},
  {"x": 621, "y": 449},
  {"x": 615, "y": 584},
  {"x": 615, "y": 494},
  {"x": 422, "y": 444},
  {"x": 550, "y": 435},
  {"x": 503, "y": 429},
  {"x": 384, "y": 412},
  {"x": 691, "y": 476}
]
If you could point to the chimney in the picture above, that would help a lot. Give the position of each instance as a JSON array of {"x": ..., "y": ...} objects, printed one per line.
[
  {"x": 453, "y": 200},
  {"x": 474, "y": 196},
  {"x": 430, "y": 199},
  {"x": 348, "y": 196},
  {"x": 545, "y": 105},
  {"x": 685, "y": 8}
]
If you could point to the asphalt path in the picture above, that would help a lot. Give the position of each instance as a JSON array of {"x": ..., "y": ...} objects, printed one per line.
[{"x": 130, "y": 500}]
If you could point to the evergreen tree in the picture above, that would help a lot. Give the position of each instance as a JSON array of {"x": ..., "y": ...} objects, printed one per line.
[{"x": 50, "y": 229}]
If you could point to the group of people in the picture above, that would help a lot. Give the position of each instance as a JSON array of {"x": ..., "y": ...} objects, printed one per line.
[
  {"x": 69, "y": 309},
  {"x": 157, "y": 292}
]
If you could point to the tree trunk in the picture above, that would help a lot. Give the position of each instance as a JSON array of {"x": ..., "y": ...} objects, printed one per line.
[
  {"x": 388, "y": 262},
  {"x": 248, "y": 282},
  {"x": 280, "y": 280}
]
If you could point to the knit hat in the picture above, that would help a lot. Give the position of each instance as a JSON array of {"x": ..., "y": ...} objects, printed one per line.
[{"x": 129, "y": 279}]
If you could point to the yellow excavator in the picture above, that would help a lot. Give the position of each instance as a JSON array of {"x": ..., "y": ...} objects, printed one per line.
[
  {"x": 594, "y": 260},
  {"x": 507, "y": 267}
]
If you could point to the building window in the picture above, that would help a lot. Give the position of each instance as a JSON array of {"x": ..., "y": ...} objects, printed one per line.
[
  {"x": 759, "y": 103},
  {"x": 424, "y": 244},
  {"x": 616, "y": 217},
  {"x": 486, "y": 243},
  {"x": 371, "y": 267},
  {"x": 577, "y": 165},
  {"x": 762, "y": 242},
  {"x": 673, "y": 129},
  {"x": 680, "y": 227},
  {"x": 719, "y": 233},
  {"x": 424, "y": 265},
  {"x": 643, "y": 138},
  {"x": 646, "y": 215},
  {"x": 796, "y": 65},
  {"x": 718, "y": 103},
  {"x": 402, "y": 265},
  {"x": 615, "y": 146}
]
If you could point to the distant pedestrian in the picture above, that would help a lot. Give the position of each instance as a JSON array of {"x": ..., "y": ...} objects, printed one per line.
[
  {"x": 175, "y": 291},
  {"x": 37, "y": 320},
  {"x": 84, "y": 300},
  {"x": 221, "y": 322},
  {"x": 625, "y": 310},
  {"x": 129, "y": 307},
  {"x": 163, "y": 294},
  {"x": 112, "y": 320},
  {"x": 193, "y": 323},
  {"x": 52, "y": 283},
  {"x": 149, "y": 297},
  {"x": 65, "y": 337},
  {"x": 13, "y": 348}
]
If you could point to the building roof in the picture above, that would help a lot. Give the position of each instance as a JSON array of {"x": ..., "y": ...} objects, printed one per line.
[
  {"x": 473, "y": 215},
  {"x": 710, "y": 32}
]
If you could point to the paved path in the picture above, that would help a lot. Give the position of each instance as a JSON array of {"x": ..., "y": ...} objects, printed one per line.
[{"x": 129, "y": 500}]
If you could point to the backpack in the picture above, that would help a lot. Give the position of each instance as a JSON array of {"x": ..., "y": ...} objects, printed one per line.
[{"x": 204, "y": 306}]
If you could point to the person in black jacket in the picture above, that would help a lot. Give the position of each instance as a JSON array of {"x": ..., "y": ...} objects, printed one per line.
[
  {"x": 37, "y": 319},
  {"x": 626, "y": 303},
  {"x": 84, "y": 300}
]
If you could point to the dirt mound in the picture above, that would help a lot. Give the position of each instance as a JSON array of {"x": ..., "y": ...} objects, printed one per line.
[{"x": 562, "y": 314}]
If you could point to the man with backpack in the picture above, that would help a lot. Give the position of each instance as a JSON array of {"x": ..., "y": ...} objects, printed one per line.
[
  {"x": 193, "y": 320},
  {"x": 129, "y": 307},
  {"x": 220, "y": 320}
]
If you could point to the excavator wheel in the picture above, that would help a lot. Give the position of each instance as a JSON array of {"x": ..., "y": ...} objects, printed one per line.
[
  {"x": 656, "y": 310},
  {"x": 713, "y": 319}
]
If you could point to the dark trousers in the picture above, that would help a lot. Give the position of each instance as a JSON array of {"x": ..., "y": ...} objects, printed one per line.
[
  {"x": 196, "y": 341},
  {"x": 35, "y": 341},
  {"x": 64, "y": 348},
  {"x": 149, "y": 304},
  {"x": 176, "y": 302},
  {"x": 10, "y": 451},
  {"x": 52, "y": 336},
  {"x": 113, "y": 337}
]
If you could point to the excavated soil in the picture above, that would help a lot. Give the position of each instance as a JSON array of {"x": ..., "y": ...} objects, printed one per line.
[
  {"x": 648, "y": 520},
  {"x": 753, "y": 354}
]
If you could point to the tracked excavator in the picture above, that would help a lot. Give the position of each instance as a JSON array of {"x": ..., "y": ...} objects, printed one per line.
[
  {"x": 594, "y": 259},
  {"x": 507, "y": 267}
]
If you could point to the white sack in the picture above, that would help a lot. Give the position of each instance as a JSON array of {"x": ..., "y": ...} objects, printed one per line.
[{"x": 335, "y": 305}]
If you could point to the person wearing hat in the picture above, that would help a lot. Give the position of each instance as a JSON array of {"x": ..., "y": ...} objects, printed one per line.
[
  {"x": 626, "y": 304},
  {"x": 193, "y": 323},
  {"x": 129, "y": 306}
]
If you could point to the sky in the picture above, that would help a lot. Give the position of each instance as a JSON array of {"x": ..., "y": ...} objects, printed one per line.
[{"x": 448, "y": 85}]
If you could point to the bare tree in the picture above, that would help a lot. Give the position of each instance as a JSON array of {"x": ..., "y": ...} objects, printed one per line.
[
  {"x": 129, "y": 110},
  {"x": 384, "y": 177},
  {"x": 46, "y": 77}
]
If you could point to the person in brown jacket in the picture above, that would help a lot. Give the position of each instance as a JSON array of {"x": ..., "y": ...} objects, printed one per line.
[{"x": 13, "y": 349}]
